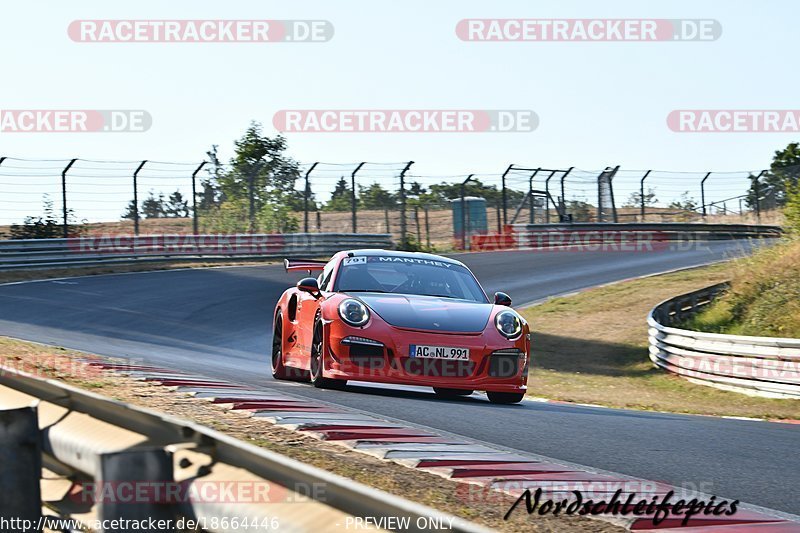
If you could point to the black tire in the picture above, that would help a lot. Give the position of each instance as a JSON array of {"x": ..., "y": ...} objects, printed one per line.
[
  {"x": 316, "y": 363},
  {"x": 451, "y": 393},
  {"x": 278, "y": 370},
  {"x": 505, "y": 397}
]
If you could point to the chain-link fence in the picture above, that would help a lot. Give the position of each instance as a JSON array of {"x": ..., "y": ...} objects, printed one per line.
[{"x": 41, "y": 198}]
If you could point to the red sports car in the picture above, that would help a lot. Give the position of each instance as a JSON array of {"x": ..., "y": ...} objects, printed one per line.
[{"x": 399, "y": 317}]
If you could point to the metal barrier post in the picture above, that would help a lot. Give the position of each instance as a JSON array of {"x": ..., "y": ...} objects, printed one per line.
[
  {"x": 65, "y": 231},
  {"x": 353, "y": 195},
  {"x": 135, "y": 466},
  {"x": 195, "y": 219},
  {"x": 21, "y": 457},
  {"x": 136, "y": 198}
]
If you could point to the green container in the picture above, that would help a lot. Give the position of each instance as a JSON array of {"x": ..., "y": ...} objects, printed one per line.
[{"x": 475, "y": 219}]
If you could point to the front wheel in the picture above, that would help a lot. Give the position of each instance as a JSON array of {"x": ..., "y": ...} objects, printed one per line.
[
  {"x": 316, "y": 364},
  {"x": 505, "y": 397}
]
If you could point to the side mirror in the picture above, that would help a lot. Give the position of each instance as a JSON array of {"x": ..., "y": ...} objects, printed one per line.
[
  {"x": 501, "y": 298},
  {"x": 310, "y": 286}
]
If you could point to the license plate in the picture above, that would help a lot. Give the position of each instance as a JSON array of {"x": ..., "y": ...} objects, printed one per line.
[{"x": 438, "y": 352}]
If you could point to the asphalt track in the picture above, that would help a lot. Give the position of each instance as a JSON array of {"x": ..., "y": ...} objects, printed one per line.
[{"x": 216, "y": 322}]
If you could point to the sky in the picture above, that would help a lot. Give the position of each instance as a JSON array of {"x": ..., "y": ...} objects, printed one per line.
[{"x": 599, "y": 103}]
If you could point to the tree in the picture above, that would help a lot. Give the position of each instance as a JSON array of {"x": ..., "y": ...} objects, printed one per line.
[
  {"x": 177, "y": 206},
  {"x": 154, "y": 206},
  {"x": 635, "y": 199},
  {"x": 341, "y": 198},
  {"x": 376, "y": 197},
  {"x": 792, "y": 208},
  {"x": 782, "y": 175},
  {"x": 260, "y": 165},
  {"x": 130, "y": 211},
  {"x": 211, "y": 195},
  {"x": 686, "y": 202},
  {"x": 47, "y": 226},
  {"x": 580, "y": 210}
]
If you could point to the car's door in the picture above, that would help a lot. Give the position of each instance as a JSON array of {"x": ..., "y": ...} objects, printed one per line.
[{"x": 307, "y": 307}]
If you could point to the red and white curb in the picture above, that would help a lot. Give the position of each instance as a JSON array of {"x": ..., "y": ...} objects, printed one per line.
[{"x": 482, "y": 469}]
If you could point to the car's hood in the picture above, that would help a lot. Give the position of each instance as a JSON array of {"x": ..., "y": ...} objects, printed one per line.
[{"x": 428, "y": 312}]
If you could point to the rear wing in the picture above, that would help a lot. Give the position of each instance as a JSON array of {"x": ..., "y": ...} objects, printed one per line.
[{"x": 303, "y": 264}]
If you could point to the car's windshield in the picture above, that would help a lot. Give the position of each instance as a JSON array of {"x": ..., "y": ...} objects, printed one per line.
[{"x": 408, "y": 275}]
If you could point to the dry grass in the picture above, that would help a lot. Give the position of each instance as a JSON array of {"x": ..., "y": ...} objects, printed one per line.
[
  {"x": 429, "y": 489},
  {"x": 764, "y": 298},
  {"x": 592, "y": 348}
]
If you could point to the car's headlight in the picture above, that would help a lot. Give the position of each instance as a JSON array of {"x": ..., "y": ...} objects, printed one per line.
[
  {"x": 508, "y": 324},
  {"x": 353, "y": 312}
]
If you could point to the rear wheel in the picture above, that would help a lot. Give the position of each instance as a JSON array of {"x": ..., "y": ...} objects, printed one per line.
[
  {"x": 278, "y": 370},
  {"x": 505, "y": 397},
  {"x": 316, "y": 364},
  {"x": 451, "y": 393}
]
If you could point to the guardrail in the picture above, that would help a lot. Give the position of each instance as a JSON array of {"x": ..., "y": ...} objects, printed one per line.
[
  {"x": 760, "y": 366},
  {"x": 621, "y": 236},
  {"x": 86, "y": 437},
  {"x": 123, "y": 249}
]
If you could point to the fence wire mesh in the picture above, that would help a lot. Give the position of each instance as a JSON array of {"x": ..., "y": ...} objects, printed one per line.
[{"x": 420, "y": 210}]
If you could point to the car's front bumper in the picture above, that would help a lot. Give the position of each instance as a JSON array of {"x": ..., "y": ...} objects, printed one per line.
[{"x": 381, "y": 354}]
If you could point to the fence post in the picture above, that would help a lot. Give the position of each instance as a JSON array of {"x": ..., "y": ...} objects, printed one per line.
[
  {"x": 195, "y": 219},
  {"x": 251, "y": 194},
  {"x": 353, "y": 194},
  {"x": 64, "y": 197},
  {"x": 505, "y": 195},
  {"x": 136, "y": 198},
  {"x": 21, "y": 457},
  {"x": 757, "y": 190},
  {"x": 563, "y": 194},
  {"x": 464, "y": 217},
  {"x": 2, "y": 159},
  {"x": 703, "y": 193},
  {"x": 427, "y": 229},
  {"x": 641, "y": 194},
  {"x": 403, "y": 239},
  {"x": 416, "y": 221},
  {"x": 306, "y": 194},
  {"x": 611, "y": 192},
  {"x": 547, "y": 190}
]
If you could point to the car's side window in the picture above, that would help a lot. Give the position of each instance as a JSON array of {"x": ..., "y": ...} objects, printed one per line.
[{"x": 325, "y": 277}]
